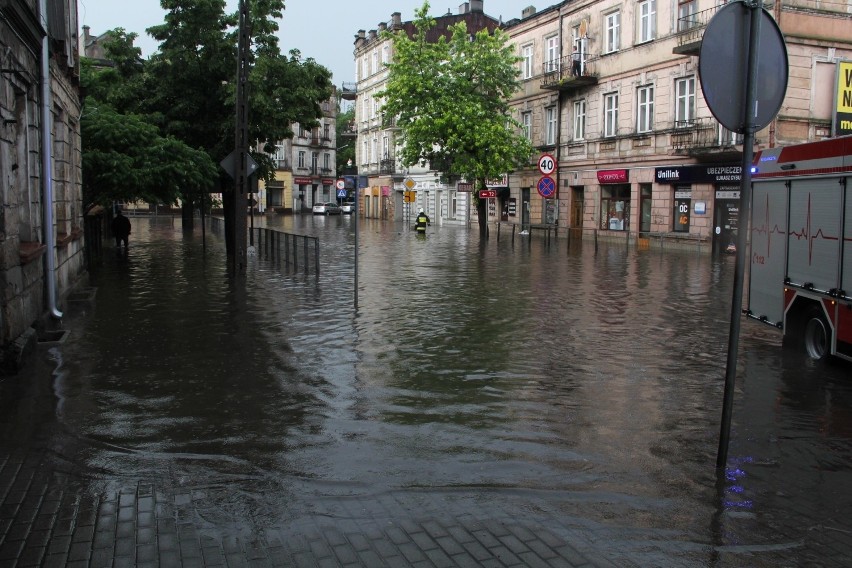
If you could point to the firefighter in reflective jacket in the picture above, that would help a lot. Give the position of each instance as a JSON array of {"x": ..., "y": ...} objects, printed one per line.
[{"x": 421, "y": 222}]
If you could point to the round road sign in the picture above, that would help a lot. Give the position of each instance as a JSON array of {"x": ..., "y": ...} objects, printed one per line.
[
  {"x": 340, "y": 184},
  {"x": 546, "y": 187},
  {"x": 546, "y": 164}
]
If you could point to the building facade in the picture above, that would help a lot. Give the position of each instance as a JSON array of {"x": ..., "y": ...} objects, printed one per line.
[
  {"x": 395, "y": 192},
  {"x": 611, "y": 91},
  {"x": 305, "y": 167},
  {"x": 41, "y": 221}
]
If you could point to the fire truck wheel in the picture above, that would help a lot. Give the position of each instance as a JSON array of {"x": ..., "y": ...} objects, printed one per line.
[{"x": 817, "y": 335}]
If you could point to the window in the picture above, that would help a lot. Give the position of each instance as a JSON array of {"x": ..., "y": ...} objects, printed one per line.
[
  {"x": 527, "y": 61},
  {"x": 645, "y": 203},
  {"x": 376, "y": 104},
  {"x": 386, "y": 148},
  {"x": 365, "y": 112},
  {"x": 610, "y": 114},
  {"x": 687, "y": 15},
  {"x": 326, "y": 161},
  {"x": 682, "y": 204},
  {"x": 647, "y": 20},
  {"x": 302, "y": 159},
  {"x": 612, "y": 32},
  {"x": 314, "y": 162},
  {"x": 375, "y": 150},
  {"x": 615, "y": 207},
  {"x": 645, "y": 109},
  {"x": 386, "y": 54},
  {"x": 579, "y": 119},
  {"x": 550, "y": 126},
  {"x": 326, "y": 131},
  {"x": 375, "y": 62},
  {"x": 684, "y": 102},
  {"x": 365, "y": 153},
  {"x": 526, "y": 123},
  {"x": 551, "y": 47}
]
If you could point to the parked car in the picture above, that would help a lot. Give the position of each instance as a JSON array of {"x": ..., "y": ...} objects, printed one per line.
[
  {"x": 328, "y": 208},
  {"x": 347, "y": 207}
]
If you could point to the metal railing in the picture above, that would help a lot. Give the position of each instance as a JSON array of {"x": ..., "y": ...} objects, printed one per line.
[
  {"x": 289, "y": 248},
  {"x": 690, "y": 28}
]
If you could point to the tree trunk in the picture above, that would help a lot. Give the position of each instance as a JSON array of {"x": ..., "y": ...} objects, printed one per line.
[
  {"x": 482, "y": 210},
  {"x": 187, "y": 209}
]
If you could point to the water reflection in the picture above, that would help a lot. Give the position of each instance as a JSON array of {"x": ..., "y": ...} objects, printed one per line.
[{"x": 585, "y": 384}]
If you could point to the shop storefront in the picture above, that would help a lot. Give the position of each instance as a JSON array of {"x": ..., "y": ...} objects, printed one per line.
[
  {"x": 614, "y": 200},
  {"x": 692, "y": 188}
]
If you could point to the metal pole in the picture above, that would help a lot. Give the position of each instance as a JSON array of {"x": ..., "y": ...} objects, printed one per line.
[
  {"x": 238, "y": 258},
  {"x": 357, "y": 214},
  {"x": 742, "y": 237}
]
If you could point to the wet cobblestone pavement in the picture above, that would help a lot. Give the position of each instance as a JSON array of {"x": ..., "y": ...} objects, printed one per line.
[{"x": 185, "y": 445}]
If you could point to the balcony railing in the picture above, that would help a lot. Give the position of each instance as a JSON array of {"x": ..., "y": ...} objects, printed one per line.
[
  {"x": 704, "y": 134},
  {"x": 559, "y": 74},
  {"x": 282, "y": 164},
  {"x": 387, "y": 166},
  {"x": 690, "y": 30}
]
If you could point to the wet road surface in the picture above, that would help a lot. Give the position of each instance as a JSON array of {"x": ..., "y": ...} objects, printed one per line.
[{"x": 497, "y": 404}]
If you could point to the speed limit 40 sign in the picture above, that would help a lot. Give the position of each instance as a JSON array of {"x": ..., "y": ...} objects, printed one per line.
[{"x": 546, "y": 164}]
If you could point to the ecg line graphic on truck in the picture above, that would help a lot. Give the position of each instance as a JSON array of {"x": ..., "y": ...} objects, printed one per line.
[
  {"x": 765, "y": 230},
  {"x": 805, "y": 233}
]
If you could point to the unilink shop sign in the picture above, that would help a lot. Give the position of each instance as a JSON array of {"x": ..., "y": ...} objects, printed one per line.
[{"x": 698, "y": 174}]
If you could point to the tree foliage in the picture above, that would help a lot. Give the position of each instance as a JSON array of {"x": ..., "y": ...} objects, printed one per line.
[
  {"x": 450, "y": 97},
  {"x": 160, "y": 113}
]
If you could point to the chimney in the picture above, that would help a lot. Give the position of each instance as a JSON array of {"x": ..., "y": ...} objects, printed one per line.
[
  {"x": 396, "y": 20},
  {"x": 372, "y": 35},
  {"x": 382, "y": 26},
  {"x": 477, "y": 6},
  {"x": 527, "y": 12},
  {"x": 464, "y": 8}
]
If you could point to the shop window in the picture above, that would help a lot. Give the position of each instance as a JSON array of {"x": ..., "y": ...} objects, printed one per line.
[
  {"x": 682, "y": 204},
  {"x": 645, "y": 203},
  {"x": 615, "y": 207}
]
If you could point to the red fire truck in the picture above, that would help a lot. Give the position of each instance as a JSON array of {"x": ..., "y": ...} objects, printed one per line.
[{"x": 800, "y": 260}]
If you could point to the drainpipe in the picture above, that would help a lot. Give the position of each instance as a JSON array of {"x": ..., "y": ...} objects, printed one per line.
[{"x": 46, "y": 171}]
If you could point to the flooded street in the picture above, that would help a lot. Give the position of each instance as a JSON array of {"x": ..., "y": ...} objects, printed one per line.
[{"x": 577, "y": 388}]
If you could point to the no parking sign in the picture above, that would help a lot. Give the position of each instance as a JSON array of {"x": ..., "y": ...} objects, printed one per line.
[{"x": 546, "y": 187}]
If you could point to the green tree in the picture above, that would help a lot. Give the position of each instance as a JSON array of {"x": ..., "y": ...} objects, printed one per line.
[{"x": 450, "y": 96}]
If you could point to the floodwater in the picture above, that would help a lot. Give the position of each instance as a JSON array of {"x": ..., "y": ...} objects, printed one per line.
[{"x": 579, "y": 385}]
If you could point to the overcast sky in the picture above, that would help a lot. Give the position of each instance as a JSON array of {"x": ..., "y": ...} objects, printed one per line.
[{"x": 322, "y": 29}]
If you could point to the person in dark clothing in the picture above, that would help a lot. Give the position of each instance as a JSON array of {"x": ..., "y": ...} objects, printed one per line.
[
  {"x": 575, "y": 63},
  {"x": 421, "y": 222},
  {"x": 121, "y": 229}
]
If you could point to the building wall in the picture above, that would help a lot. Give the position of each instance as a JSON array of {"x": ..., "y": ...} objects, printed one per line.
[
  {"x": 23, "y": 237},
  {"x": 816, "y": 40}
]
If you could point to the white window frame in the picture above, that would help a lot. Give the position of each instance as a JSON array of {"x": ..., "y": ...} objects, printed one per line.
[
  {"x": 301, "y": 163},
  {"x": 610, "y": 114},
  {"x": 386, "y": 54},
  {"x": 375, "y": 149},
  {"x": 580, "y": 119},
  {"x": 550, "y": 118},
  {"x": 612, "y": 32},
  {"x": 645, "y": 108},
  {"x": 376, "y": 61},
  {"x": 686, "y": 12},
  {"x": 551, "y": 53},
  {"x": 684, "y": 102},
  {"x": 526, "y": 124},
  {"x": 365, "y": 153},
  {"x": 647, "y": 12},
  {"x": 527, "y": 61}
]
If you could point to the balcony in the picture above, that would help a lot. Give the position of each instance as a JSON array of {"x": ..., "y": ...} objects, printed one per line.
[
  {"x": 349, "y": 90},
  {"x": 281, "y": 164},
  {"x": 690, "y": 30},
  {"x": 705, "y": 138},
  {"x": 387, "y": 167},
  {"x": 557, "y": 75},
  {"x": 389, "y": 122}
]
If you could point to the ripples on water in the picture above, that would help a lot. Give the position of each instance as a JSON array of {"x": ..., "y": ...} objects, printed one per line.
[{"x": 503, "y": 365}]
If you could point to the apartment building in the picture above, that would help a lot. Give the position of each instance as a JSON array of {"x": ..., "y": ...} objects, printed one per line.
[
  {"x": 611, "y": 90},
  {"x": 395, "y": 192},
  {"x": 305, "y": 166},
  {"x": 41, "y": 220}
]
